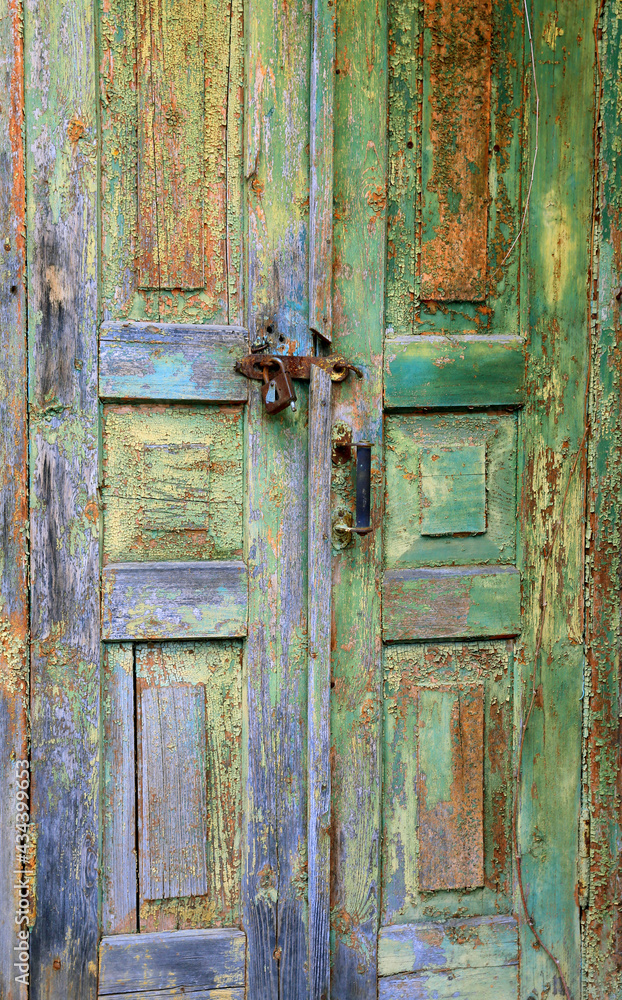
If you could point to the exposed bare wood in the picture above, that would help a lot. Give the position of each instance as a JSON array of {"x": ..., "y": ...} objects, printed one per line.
[
  {"x": 61, "y": 125},
  {"x": 318, "y": 710},
  {"x": 119, "y": 848}
]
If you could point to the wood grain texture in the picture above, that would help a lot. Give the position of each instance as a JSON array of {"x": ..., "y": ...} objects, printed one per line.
[
  {"x": 171, "y": 361},
  {"x": 456, "y": 125},
  {"x": 454, "y": 944},
  {"x": 318, "y": 710},
  {"x": 204, "y": 101},
  {"x": 173, "y": 482},
  {"x": 195, "y": 959},
  {"x": 119, "y": 848},
  {"x": 60, "y": 88},
  {"x": 454, "y": 984},
  {"x": 170, "y": 92},
  {"x": 13, "y": 484},
  {"x": 553, "y": 425},
  {"x": 450, "y": 787},
  {"x": 360, "y": 169},
  {"x": 174, "y": 600},
  {"x": 420, "y": 678},
  {"x": 452, "y": 603},
  {"x": 190, "y": 784},
  {"x": 601, "y": 884},
  {"x": 277, "y": 171},
  {"x": 172, "y": 807},
  {"x": 468, "y": 370},
  {"x": 181, "y": 994},
  {"x": 321, "y": 169}
]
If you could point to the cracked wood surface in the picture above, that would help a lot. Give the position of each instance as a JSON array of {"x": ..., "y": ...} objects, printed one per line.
[
  {"x": 61, "y": 124},
  {"x": 13, "y": 484}
]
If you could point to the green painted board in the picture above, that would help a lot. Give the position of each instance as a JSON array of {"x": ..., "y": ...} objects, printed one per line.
[
  {"x": 444, "y": 372},
  {"x": 453, "y": 944},
  {"x": 451, "y": 603}
]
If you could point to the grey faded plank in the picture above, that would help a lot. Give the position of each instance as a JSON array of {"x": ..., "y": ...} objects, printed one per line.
[
  {"x": 473, "y": 943},
  {"x": 321, "y": 170},
  {"x": 174, "y": 600},
  {"x": 198, "y": 959},
  {"x": 172, "y": 806},
  {"x": 61, "y": 89},
  {"x": 318, "y": 712},
  {"x": 451, "y": 603},
  {"x": 180, "y": 994},
  {"x": 171, "y": 361},
  {"x": 13, "y": 484},
  {"x": 118, "y": 792},
  {"x": 454, "y": 984},
  {"x": 443, "y": 372}
]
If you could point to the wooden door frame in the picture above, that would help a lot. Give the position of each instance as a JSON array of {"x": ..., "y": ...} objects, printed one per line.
[{"x": 61, "y": 226}]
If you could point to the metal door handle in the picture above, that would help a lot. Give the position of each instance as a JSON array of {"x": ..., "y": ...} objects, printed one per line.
[{"x": 363, "y": 488}]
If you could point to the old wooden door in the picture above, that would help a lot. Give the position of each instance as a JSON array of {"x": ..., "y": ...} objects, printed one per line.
[{"x": 272, "y": 756}]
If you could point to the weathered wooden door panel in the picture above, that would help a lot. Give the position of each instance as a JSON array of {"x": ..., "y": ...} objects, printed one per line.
[
  {"x": 311, "y": 750},
  {"x": 173, "y": 477}
]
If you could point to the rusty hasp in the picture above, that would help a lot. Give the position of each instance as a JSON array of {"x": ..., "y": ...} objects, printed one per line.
[{"x": 253, "y": 366}]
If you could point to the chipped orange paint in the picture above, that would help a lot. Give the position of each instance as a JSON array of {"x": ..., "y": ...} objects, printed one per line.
[{"x": 457, "y": 113}]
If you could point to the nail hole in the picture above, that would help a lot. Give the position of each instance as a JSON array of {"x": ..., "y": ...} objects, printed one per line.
[
  {"x": 332, "y": 684},
  {"x": 13, "y": 289},
  {"x": 410, "y": 144},
  {"x": 269, "y": 328},
  {"x": 337, "y": 71},
  {"x": 281, "y": 338},
  {"x": 497, "y": 148}
]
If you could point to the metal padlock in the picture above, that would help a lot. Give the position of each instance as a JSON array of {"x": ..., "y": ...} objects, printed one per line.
[{"x": 277, "y": 392}]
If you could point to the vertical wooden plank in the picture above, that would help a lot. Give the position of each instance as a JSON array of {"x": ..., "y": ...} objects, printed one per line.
[
  {"x": 601, "y": 876},
  {"x": 13, "y": 488},
  {"x": 321, "y": 170},
  {"x": 171, "y": 91},
  {"x": 456, "y": 126},
  {"x": 172, "y": 808},
  {"x": 552, "y": 503},
  {"x": 277, "y": 169},
  {"x": 61, "y": 141},
  {"x": 358, "y": 303},
  {"x": 318, "y": 711},
  {"x": 404, "y": 176},
  {"x": 118, "y": 792},
  {"x": 450, "y": 788}
]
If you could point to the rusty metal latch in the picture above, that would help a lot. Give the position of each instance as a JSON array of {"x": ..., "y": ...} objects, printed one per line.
[{"x": 254, "y": 365}]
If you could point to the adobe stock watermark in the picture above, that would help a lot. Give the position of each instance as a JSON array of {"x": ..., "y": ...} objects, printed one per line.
[{"x": 22, "y": 884}]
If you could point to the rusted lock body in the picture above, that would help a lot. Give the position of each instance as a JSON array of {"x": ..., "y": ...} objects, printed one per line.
[{"x": 277, "y": 390}]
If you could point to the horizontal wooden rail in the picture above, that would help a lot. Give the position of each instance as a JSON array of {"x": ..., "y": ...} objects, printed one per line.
[
  {"x": 450, "y": 603},
  {"x": 172, "y": 960},
  {"x": 444, "y": 372},
  {"x": 174, "y": 600},
  {"x": 171, "y": 361}
]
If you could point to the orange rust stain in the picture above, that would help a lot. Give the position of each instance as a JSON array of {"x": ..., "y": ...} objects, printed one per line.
[
  {"x": 75, "y": 130},
  {"x": 455, "y": 195}
]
